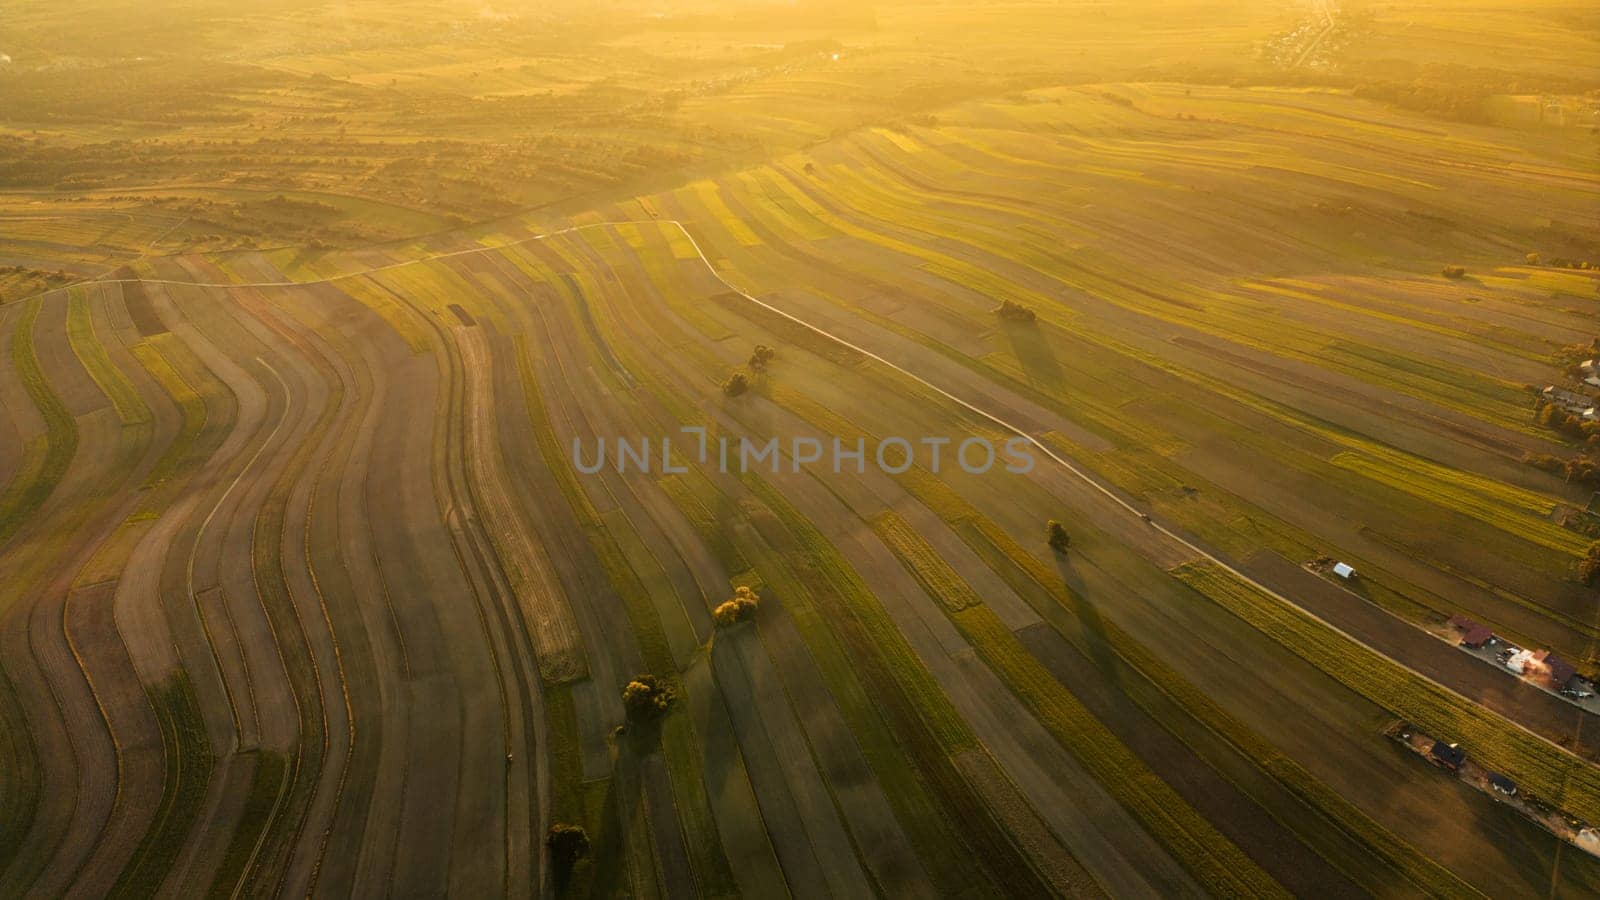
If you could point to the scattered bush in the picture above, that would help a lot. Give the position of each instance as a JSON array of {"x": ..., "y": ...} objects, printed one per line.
[
  {"x": 1059, "y": 539},
  {"x": 646, "y": 697},
  {"x": 736, "y": 384},
  {"x": 740, "y": 609},
  {"x": 1455, "y": 272},
  {"x": 1012, "y": 311}
]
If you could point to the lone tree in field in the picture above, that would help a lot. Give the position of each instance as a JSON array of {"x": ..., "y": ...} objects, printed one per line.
[
  {"x": 1012, "y": 311},
  {"x": 1059, "y": 539},
  {"x": 646, "y": 697},
  {"x": 760, "y": 357},
  {"x": 568, "y": 844},
  {"x": 736, "y": 384},
  {"x": 740, "y": 609}
]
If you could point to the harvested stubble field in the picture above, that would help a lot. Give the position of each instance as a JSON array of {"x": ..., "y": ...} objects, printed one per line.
[{"x": 311, "y": 584}]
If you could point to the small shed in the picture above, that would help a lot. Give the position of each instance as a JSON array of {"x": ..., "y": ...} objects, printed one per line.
[
  {"x": 1477, "y": 636},
  {"x": 1502, "y": 784},
  {"x": 1343, "y": 571}
]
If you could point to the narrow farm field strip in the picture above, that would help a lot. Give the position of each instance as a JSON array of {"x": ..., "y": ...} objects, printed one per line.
[{"x": 32, "y": 486}]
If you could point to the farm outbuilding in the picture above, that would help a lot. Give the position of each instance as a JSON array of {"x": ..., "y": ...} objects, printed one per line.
[{"x": 1451, "y": 756}]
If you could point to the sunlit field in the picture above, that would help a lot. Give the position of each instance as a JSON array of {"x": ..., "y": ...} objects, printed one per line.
[{"x": 379, "y": 384}]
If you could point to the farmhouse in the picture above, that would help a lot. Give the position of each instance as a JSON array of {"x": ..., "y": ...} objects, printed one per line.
[{"x": 1451, "y": 756}]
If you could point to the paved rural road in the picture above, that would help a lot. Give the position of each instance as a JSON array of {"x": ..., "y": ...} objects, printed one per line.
[{"x": 1060, "y": 460}]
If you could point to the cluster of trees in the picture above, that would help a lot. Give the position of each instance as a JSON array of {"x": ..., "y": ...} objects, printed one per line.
[
  {"x": 739, "y": 609},
  {"x": 738, "y": 382},
  {"x": 21, "y": 281},
  {"x": 647, "y": 697},
  {"x": 760, "y": 357},
  {"x": 1462, "y": 102},
  {"x": 1578, "y": 470},
  {"x": 1056, "y": 533},
  {"x": 1566, "y": 424},
  {"x": 1559, "y": 262},
  {"x": 1589, "y": 567},
  {"x": 1012, "y": 311}
]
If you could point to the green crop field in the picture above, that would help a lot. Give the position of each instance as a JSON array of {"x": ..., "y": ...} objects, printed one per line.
[{"x": 742, "y": 448}]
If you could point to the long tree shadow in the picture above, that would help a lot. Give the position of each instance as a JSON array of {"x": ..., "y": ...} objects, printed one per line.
[
  {"x": 1031, "y": 347},
  {"x": 602, "y": 871},
  {"x": 1094, "y": 626}
]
